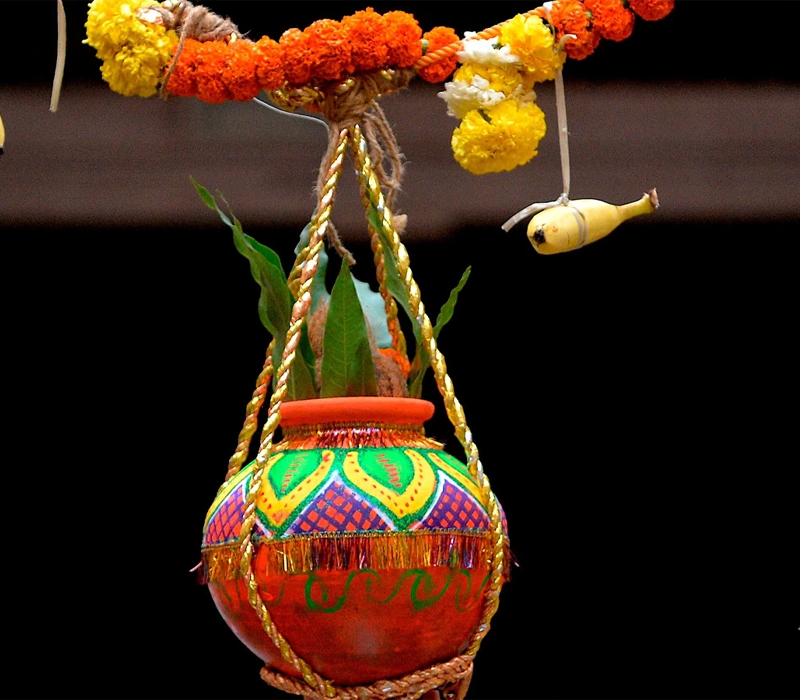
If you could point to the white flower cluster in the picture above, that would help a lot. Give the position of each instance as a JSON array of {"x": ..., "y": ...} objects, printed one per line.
[
  {"x": 461, "y": 96},
  {"x": 484, "y": 51}
]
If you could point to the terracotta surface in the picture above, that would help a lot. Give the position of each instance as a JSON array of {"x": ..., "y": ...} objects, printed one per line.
[
  {"x": 356, "y": 409},
  {"x": 365, "y": 639},
  {"x": 332, "y": 593}
]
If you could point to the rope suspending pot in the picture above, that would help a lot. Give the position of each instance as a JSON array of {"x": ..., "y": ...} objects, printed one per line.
[{"x": 351, "y": 111}]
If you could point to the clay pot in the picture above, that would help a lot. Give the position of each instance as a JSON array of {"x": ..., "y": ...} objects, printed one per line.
[{"x": 372, "y": 545}]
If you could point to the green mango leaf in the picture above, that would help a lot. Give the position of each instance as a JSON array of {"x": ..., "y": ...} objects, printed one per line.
[
  {"x": 397, "y": 289},
  {"x": 275, "y": 301},
  {"x": 445, "y": 314},
  {"x": 374, "y": 308},
  {"x": 449, "y": 306},
  {"x": 347, "y": 368}
]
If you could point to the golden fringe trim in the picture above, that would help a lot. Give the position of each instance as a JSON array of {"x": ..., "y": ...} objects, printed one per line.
[
  {"x": 343, "y": 551},
  {"x": 345, "y": 435}
]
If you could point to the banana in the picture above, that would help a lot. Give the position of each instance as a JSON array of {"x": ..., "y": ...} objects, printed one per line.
[
  {"x": 2, "y": 136},
  {"x": 575, "y": 223}
]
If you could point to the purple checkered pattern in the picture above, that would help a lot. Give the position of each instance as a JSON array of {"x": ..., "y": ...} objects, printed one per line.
[
  {"x": 455, "y": 510},
  {"x": 337, "y": 508}
]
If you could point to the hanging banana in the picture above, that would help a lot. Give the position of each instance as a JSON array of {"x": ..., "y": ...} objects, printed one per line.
[
  {"x": 2, "y": 136},
  {"x": 573, "y": 224}
]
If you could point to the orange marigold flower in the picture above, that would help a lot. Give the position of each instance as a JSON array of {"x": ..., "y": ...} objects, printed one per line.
[
  {"x": 329, "y": 43},
  {"x": 239, "y": 74},
  {"x": 182, "y": 82},
  {"x": 652, "y": 10},
  {"x": 570, "y": 17},
  {"x": 212, "y": 59},
  {"x": 405, "y": 39},
  {"x": 437, "y": 38},
  {"x": 269, "y": 64},
  {"x": 399, "y": 358},
  {"x": 611, "y": 18},
  {"x": 298, "y": 56},
  {"x": 369, "y": 37}
]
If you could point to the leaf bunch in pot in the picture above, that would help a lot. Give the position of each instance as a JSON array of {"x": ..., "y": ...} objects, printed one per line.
[{"x": 345, "y": 347}]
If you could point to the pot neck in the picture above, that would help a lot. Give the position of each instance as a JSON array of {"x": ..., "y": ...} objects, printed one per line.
[{"x": 356, "y": 421}]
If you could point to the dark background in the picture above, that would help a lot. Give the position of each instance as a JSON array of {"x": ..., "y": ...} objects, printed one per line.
[{"x": 634, "y": 405}]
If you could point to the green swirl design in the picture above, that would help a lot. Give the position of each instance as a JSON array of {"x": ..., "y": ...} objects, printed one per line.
[{"x": 423, "y": 593}]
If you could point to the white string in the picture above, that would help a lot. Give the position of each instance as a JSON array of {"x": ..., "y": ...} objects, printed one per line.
[
  {"x": 61, "y": 57},
  {"x": 563, "y": 133},
  {"x": 583, "y": 227},
  {"x": 563, "y": 147},
  {"x": 291, "y": 114},
  {"x": 530, "y": 210}
]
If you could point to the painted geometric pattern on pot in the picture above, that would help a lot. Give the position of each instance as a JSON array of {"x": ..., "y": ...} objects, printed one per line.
[
  {"x": 400, "y": 481},
  {"x": 289, "y": 483},
  {"x": 459, "y": 472},
  {"x": 225, "y": 517},
  {"x": 343, "y": 490},
  {"x": 454, "y": 509},
  {"x": 338, "y": 508}
]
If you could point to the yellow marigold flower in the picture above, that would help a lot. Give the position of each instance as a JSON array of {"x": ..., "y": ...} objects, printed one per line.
[
  {"x": 134, "y": 53},
  {"x": 499, "y": 138},
  {"x": 531, "y": 40}
]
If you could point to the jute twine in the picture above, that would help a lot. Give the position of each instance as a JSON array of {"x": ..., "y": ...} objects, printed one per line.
[
  {"x": 451, "y": 679},
  {"x": 191, "y": 22},
  {"x": 355, "y": 102}
]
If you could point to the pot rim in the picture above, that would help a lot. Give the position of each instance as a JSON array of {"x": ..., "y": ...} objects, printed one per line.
[{"x": 361, "y": 409}]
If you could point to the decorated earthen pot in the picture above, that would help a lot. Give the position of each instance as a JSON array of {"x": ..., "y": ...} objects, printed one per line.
[{"x": 372, "y": 545}]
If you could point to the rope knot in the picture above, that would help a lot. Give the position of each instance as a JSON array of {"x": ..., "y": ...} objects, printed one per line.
[
  {"x": 191, "y": 22},
  {"x": 347, "y": 103}
]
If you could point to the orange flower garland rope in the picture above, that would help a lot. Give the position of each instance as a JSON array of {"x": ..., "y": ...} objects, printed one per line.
[
  {"x": 610, "y": 19},
  {"x": 215, "y": 63}
]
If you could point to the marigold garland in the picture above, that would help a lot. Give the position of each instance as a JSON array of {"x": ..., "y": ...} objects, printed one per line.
[
  {"x": 269, "y": 64},
  {"x": 572, "y": 17},
  {"x": 498, "y": 138},
  {"x": 652, "y": 10},
  {"x": 532, "y": 41},
  {"x": 492, "y": 88},
  {"x": 368, "y": 32},
  {"x": 404, "y": 42},
  {"x": 298, "y": 57},
  {"x": 134, "y": 53},
  {"x": 611, "y": 18},
  {"x": 330, "y": 45},
  {"x": 181, "y": 81},
  {"x": 212, "y": 62},
  {"x": 240, "y": 75},
  {"x": 438, "y": 38}
]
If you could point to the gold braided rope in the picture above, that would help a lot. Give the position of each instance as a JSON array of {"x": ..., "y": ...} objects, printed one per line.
[
  {"x": 251, "y": 419},
  {"x": 398, "y": 339},
  {"x": 374, "y": 195},
  {"x": 450, "y": 49},
  {"x": 457, "y": 671},
  {"x": 299, "y": 310}
]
